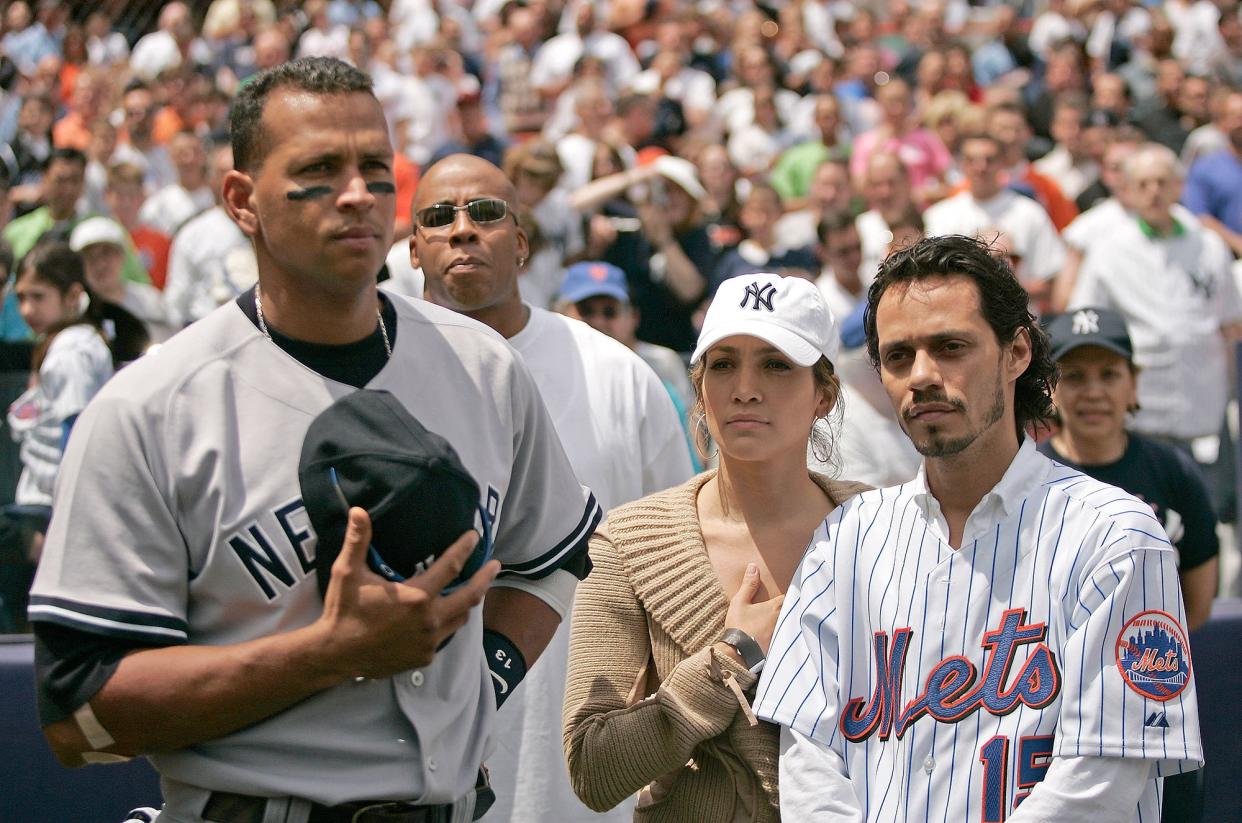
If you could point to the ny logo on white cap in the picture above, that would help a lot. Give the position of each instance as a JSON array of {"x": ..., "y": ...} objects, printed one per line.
[
  {"x": 1086, "y": 322},
  {"x": 763, "y": 294}
]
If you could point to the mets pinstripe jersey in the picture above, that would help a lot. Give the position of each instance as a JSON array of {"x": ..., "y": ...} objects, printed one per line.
[
  {"x": 948, "y": 679},
  {"x": 182, "y": 523}
]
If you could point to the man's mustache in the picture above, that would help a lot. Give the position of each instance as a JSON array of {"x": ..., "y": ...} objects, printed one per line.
[{"x": 933, "y": 396}]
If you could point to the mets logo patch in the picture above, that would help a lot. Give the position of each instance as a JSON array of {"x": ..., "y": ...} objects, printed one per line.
[{"x": 1153, "y": 655}]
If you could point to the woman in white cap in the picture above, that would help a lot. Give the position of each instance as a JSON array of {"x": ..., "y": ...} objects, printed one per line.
[{"x": 671, "y": 628}]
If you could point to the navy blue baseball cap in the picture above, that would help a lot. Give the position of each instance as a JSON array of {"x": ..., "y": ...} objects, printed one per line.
[
  {"x": 367, "y": 450},
  {"x": 593, "y": 279},
  {"x": 1089, "y": 327}
]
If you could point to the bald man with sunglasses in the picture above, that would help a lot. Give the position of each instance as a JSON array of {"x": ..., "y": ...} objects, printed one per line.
[{"x": 610, "y": 410}]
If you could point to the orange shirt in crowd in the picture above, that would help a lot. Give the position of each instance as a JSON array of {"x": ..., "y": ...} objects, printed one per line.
[
  {"x": 152, "y": 247},
  {"x": 71, "y": 132},
  {"x": 68, "y": 76},
  {"x": 405, "y": 174},
  {"x": 167, "y": 124}
]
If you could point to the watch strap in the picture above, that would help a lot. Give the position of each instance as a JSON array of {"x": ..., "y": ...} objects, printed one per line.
[{"x": 752, "y": 656}]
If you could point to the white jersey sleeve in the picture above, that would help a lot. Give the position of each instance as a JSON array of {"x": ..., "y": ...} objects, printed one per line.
[
  {"x": 544, "y": 497},
  {"x": 1126, "y": 667},
  {"x": 814, "y": 783},
  {"x": 117, "y": 564}
]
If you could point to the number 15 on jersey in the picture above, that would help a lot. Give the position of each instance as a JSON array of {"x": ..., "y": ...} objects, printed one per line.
[{"x": 1031, "y": 764}]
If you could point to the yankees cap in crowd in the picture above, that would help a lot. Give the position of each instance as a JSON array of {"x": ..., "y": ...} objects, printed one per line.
[
  {"x": 593, "y": 279},
  {"x": 367, "y": 450},
  {"x": 1089, "y": 327},
  {"x": 787, "y": 312}
]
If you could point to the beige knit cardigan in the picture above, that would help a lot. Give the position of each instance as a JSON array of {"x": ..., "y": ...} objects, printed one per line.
[{"x": 649, "y": 706}]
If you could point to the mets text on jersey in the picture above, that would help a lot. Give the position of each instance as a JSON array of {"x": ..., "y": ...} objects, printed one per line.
[{"x": 954, "y": 690}]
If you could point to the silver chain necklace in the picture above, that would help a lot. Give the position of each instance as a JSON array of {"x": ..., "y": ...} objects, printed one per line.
[{"x": 379, "y": 315}]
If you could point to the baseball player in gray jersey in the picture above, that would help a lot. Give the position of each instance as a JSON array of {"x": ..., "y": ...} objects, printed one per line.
[
  {"x": 1000, "y": 639},
  {"x": 176, "y": 610}
]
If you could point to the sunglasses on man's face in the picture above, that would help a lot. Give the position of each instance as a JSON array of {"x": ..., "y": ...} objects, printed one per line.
[{"x": 483, "y": 210}]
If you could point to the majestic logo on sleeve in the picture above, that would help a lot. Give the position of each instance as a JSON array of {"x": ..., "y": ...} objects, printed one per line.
[
  {"x": 954, "y": 688},
  {"x": 1153, "y": 656},
  {"x": 761, "y": 293}
]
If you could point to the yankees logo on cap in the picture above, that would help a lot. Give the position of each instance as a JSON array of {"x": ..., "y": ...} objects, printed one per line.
[
  {"x": 787, "y": 312},
  {"x": 762, "y": 294},
  {"x": 1089, "y": 327}
]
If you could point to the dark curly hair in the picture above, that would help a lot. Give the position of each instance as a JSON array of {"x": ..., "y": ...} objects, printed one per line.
[
  {"x": 318, "y": 75},
  {"x": 1004, "y": 303}
]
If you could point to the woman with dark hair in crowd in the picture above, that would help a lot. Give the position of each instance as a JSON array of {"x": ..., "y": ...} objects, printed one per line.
[
  {"x": 71, "y": 363},
  {"x": 1094, "y": 397},
  {"x": 671, "y": 628}
]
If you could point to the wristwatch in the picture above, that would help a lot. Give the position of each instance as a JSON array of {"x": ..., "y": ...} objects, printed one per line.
[{"x": 745, "y": 645}]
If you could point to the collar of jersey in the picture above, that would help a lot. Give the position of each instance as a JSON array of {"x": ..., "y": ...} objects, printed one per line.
[
  {"x": 1025, "y": 473},
  {"x": 1149, "y": 231}
]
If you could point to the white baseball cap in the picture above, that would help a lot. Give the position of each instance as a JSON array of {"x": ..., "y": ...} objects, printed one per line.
[
  {"x": 681, "y": 172},
  {"x": 94, "y": 230},
  {"x": 788, "y": 312}
]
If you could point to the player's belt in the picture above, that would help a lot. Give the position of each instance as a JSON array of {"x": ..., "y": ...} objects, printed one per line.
[{"x": 225, "y": 807}]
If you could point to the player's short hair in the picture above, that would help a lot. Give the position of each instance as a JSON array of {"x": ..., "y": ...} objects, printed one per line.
[
  {"x": 317, "y": 75},
  {"x": 1002, "y": 300}
]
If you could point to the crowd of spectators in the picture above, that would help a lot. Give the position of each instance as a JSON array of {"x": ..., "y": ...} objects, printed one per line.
[{"x": 1096, "y": 143}]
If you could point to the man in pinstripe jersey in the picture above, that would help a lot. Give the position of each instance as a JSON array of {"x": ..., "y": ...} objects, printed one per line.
[{"x": 1000, "y": 639}]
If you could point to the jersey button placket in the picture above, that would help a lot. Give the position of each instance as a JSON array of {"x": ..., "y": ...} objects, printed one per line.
[{"x": 417, "y": 678}]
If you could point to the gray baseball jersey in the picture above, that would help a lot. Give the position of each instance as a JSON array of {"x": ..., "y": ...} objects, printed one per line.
[
  {"x": 182, "y": 523},
  {"x": 947, "y": 679}
]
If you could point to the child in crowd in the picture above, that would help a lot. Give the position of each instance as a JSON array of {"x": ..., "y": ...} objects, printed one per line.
[{"x": 72, "y": 361}]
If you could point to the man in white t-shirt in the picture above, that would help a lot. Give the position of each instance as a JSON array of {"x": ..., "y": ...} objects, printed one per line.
[
  {"x": 211, "y": 261},
  {"x": 554, "y": 63},
  {"x": 611, "y": 412},
  {"x": 986, "y": 204},
  {"x": 1172, "y": 281},
  {"x": 170, "y": 207},
  {"x": 886, "y": 187},
  {"x": 597, "y": 294}
]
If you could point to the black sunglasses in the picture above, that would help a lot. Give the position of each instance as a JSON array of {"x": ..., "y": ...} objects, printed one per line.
[{"x": 483, "y": 210}]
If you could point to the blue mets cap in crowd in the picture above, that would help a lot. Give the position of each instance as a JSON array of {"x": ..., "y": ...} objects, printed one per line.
[
  {"x": 1089, "y": 327},
  {"x": 593, "y": 279}
]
